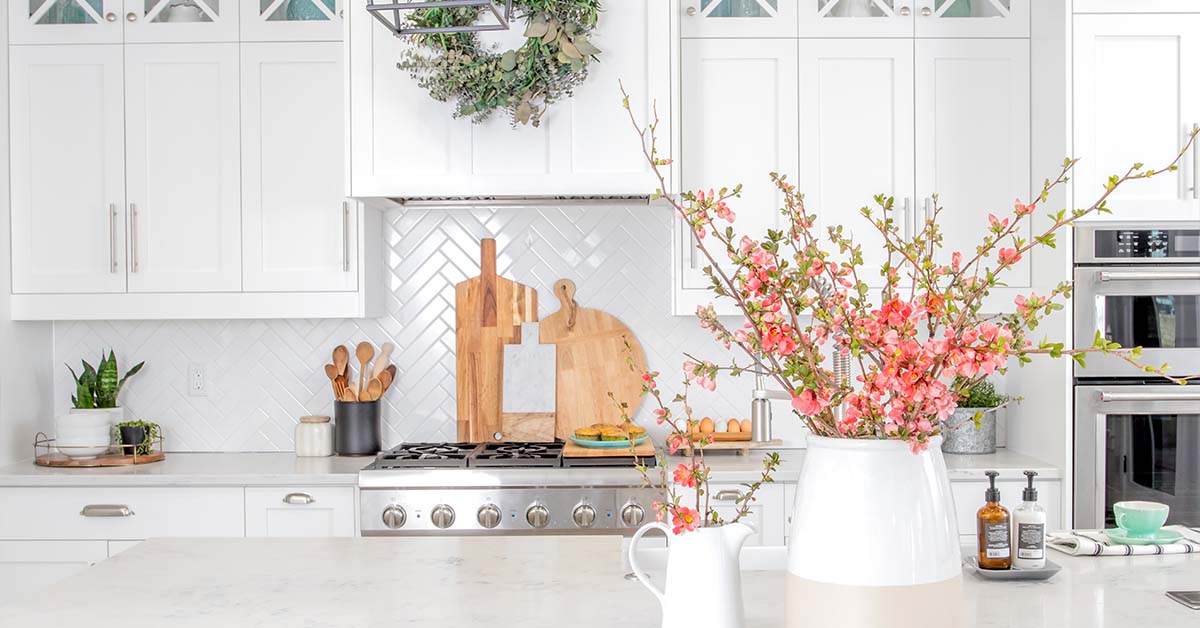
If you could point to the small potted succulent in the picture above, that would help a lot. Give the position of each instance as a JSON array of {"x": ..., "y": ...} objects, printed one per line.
[
  {"x": 136, "y": 437},
  {"x": 97, "y": 388},
  {"x": 971, "y": 429}
]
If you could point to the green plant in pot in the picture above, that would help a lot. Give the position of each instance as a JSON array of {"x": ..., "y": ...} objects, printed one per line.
[
  {"x": 972, "y": 427},
  {"x": 97, "y": 388},
  {"x": 136, "y": 437}
]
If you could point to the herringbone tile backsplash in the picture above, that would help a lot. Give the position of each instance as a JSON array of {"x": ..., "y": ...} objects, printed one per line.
[{"x": 262, "y": 375}]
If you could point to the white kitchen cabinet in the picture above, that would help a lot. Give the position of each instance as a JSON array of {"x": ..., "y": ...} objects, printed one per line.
[
  {"x": 741, "y": 136},
  {"x": 29, "y": 566},
  {"x": 300, "y": 512},
  {"x": 920, "y": 18},
  {"x": 856, "y": 130},
  {"x": 298, "y": 229},
  {"x": 1136, "y": 96},
  {"x": 116, "y": 547},
  {"x": 182, "y": 156},
  {"x": 767, "y": 515},
  {"x": 405, "y": 144},
  {"x": 67, "y": 155},
  {"x": 1135, "y": 6},
  {"x": 65, "y": 21},
  {"x": 292, "y": 20},
  {"x": 170, "y": 21},
  {"x": 738, "y": 18},
  {"x": 973, "y": 139},
  {"x": 121, "y": 513}
]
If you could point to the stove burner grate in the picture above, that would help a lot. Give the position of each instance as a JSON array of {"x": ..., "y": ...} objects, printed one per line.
[
  {"x": 418, "y": 455},
  {"x": 518, "y": 455}
]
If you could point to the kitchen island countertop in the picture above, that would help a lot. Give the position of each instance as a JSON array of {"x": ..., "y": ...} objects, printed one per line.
[{"x": 507, "y": 581}]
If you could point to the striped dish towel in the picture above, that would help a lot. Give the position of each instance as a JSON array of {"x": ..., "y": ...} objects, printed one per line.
[{"x": 1095, "y": 543}]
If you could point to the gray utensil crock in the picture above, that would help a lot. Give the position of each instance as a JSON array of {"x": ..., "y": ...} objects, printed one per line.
[{"x": 356, "y": 428}]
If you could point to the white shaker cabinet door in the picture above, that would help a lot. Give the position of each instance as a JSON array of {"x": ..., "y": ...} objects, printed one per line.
[
  {"x": 27, "y": 567},
  {"x": 739, "y": 120},
  {"x": 856, "y": 136},
  {"x": 856, "y": 18},
  {"x": 67, "y": 156},
  {"x": 182, "y": 152},
  {"x": 971, "y": 18},
  {"x": 300, "y": 512},
  {"x": 739, "y": 18},
  {"x": 1137, "y": 95},
  {"x": 173, "y": 21},
  {"x": 299, "y": 232},
  {"x": 65, "y": 22},
  {"x": 973, "y": 136},
  {"x": 293, "y": 20}
]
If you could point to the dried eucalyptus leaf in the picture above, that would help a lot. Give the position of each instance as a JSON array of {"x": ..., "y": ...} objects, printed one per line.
[
  {"x": 536, "y": 28},
  {"x": 585, "y": 47},
  {"x": 508, "y": 60},
  {"x": 569, "y": 48},
  {"x": 551, "y": 32},
  {"x": 523, "y": 112}
]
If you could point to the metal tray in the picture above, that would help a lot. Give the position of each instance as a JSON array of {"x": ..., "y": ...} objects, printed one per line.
[{"x": 1045, "y": 573}]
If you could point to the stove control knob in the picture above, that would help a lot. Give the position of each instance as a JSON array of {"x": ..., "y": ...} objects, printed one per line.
[
  {"x": 394, "y": 516},
  {"x": 632, "y": 515},
  {"x": 538, "y": 516},
  {"x": 488, "y": 516},
  {"x": 584, "y": 516},
  {"x": 442, "y": 516}
]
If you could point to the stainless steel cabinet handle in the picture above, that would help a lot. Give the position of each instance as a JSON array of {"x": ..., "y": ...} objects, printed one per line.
[
  {"x": 133, "y": 238},
  {"x": 905, "y": 11},
  {"x": 694, "y": 249},
  {"x": 908, "y": 219},
  {"x": 298, "y": 498},
  {"x": 928, "y": 208},
  {"x": 110, "y": 16},
  {"x": 728, "y": 495},
  {"x": 131, "y": 16},
  {"x": 345, "y": 237},
  {"x": 926, "y": 11},
  {"x": 1107, "y": 397},
  {"x": 106, "y": 510},
  {"x": 1134, "y": 275},
  {"x": 112, "y": 237},
  {"x": 1195, "y": 166},
  {"x": 691, "y": 11}
]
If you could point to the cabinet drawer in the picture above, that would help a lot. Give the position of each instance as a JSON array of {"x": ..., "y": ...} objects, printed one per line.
[
  {"x": 29, "y": 566},
  {"x": 766, "y": 515},
  {"x": 300, "y": 511},
  {"x": 121, "y": 513}
]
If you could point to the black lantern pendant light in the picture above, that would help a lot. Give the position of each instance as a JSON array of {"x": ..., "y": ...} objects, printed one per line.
[{"x": 389, "y": 14}]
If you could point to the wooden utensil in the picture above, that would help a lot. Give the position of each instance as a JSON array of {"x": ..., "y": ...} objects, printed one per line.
[
  {"x": 332, "y": 374},
  {"x": 349, "y": 395},
  {"x": 374, "y": 390},
  {"x": 385, "y": 378},
  {"x": 527, "y": 394},
  {"x": 341, "y": 360},
  {"x": 591, "y": 357},
  {"x": 488, "y": 313},
  {"x": 339, "y": 386},
  {"x": 381, "y": 360},
  {"x": 364, "y": 352}
]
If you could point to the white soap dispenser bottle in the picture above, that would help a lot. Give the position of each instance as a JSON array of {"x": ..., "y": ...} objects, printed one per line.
[{"x": 1029, "y": 530}]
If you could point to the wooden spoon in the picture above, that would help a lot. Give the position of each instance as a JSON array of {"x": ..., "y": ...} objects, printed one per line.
[
  {"x": 341, "y": 359},
  {"x": 332, "y": 374},
  {"x": 348, "y": 395},
  {"x": 385, "y": 378},
  {"x": 381, "y": 360},
  {"x": 339, "y": 386},
  {"x": 391, "y": 370},
  {"x": 364, "y": 352},
  {"x": 374, "y": 390}
]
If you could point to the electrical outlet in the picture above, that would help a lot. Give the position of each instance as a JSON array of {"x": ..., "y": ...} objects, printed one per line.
[{"x": 197, "y": 382}]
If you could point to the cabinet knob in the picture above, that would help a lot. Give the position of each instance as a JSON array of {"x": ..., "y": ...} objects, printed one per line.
[
  {"x": 110, "y": 16},
  {"x": 905, "y": 11},
  {"x": 691, "y": 11},
  {"x": 926, "y": 11},
  {"x": 131, "y": 16}
]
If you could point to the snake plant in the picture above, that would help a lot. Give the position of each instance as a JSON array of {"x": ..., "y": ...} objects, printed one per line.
[{"x": 99, "y": 387}]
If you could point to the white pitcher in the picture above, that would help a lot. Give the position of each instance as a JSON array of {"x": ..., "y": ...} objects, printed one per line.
[{"x": 704, "y": 577}]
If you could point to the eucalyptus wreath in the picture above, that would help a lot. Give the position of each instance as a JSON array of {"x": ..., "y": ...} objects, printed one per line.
[{"x": 524, "y": 82}]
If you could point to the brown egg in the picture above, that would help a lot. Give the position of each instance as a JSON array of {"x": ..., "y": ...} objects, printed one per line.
[
  {"x": 733, "y": 426},
  {"x": 693, "y": 427},
  {"x": 707, "y": 426},
  {"x": 746, "y": 426}
]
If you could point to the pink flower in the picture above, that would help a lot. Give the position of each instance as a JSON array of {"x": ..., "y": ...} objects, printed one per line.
[
  {"x": 1009, "y": 256},
  {"x": 809, "y": 403},
  {"x": 684, "y": 519},
  {"x": 660, "y": 415},
  {"x": 685, "y": 475},
  {"x": 997, "y": 224},
  {"x": 675, "y": 442},
  {"x": 956, "y": 260},
  {"x": 1024, "y": 210},
  {"x": 658, "y": 510}
]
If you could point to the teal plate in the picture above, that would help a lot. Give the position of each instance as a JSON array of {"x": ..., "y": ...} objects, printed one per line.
[
  {"x": 1162, "y": 537},
  {"x": 608, "y": 444}
]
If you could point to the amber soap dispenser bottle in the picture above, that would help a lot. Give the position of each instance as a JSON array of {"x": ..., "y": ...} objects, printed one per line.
[{"x": 995, "y": 532}]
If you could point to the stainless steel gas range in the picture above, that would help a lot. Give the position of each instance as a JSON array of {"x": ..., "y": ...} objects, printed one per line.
[{"x": 500, "y": 488}]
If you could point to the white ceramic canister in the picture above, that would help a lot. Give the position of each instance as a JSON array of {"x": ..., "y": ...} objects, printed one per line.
[{"x": 314, "y": 436}]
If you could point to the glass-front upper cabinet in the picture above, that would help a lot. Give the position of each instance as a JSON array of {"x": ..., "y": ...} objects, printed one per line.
[
  {"x": 292, "y": 20},
  {"x": 181, "y": 20},
  {"x": 64, "y": 21},
  {"x": 738, "y": 18},
  {"x": 906, "y": 18}
]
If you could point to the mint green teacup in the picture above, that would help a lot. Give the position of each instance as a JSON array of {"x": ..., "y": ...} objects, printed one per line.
[{"x": 1140, "y": 518}]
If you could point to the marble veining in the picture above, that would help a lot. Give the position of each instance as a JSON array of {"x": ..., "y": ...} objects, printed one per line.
[{"x": 509, "y": 581}]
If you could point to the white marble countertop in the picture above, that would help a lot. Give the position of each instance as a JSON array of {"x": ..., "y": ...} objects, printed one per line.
[
  {"x": 508, "y": 581},
  {"x": 284, "y": 468},
  {"x": 197, "y": 469}
]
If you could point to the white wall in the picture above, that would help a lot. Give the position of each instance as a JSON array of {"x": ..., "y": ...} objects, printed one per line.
[{"x": 25, "y": 382}]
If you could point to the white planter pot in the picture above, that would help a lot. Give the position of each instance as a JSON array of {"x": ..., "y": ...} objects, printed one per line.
[
  {"x": 873, "y": 540},
  {"x": 704, "y": 576},
  {"x": 90, "y": 416}
]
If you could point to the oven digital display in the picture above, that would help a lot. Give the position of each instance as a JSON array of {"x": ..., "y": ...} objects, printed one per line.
[{"x": 1147, "y": 243}]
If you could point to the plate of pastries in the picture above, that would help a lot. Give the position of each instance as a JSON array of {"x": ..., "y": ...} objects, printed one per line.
[{"x": 608, "y": 436}]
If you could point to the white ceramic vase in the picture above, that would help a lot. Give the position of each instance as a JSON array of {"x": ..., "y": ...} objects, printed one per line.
[
  {"x": 704, "y": 576},
  {"x": 873, "y": 539}
]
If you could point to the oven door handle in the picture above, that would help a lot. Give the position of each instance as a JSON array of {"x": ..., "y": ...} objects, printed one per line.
[
  {"x": 1107, "y": 397},
  {"x": 1134, "y": 275}
]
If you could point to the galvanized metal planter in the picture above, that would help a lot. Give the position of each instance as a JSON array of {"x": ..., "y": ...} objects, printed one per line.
[{"x": 961, "y": 437}]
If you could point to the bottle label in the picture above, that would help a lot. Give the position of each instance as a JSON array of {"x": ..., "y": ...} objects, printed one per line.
[
  {"x": 997, "y": 537},
  {"x": 1031, "y": 540}
]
